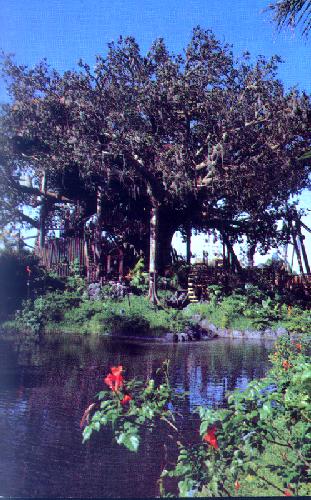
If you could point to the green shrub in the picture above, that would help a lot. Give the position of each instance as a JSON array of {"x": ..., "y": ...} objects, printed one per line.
[
  {"x": 132, "y": 315},
  {"x": 139, "y": 278},
  {"x": 14, "y": 278},
  {"x": 259, "y": 445},
  {"x": 298, "y": 320}
]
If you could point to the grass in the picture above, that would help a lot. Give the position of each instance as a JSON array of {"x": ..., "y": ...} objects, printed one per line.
[
  {"x": 134, "y": 316},
  {"x": 70, "y": 311}
]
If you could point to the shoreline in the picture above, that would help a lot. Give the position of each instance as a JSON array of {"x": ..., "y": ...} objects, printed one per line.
[{"x": 194, "y": 333}]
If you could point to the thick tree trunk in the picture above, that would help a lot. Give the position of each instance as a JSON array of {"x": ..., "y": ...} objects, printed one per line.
[
  {"x": 303, "y": 249},
  {"x": 297, "y": 251},
  {"x": 121, "y": 264},
  {"x": 154, "y": 221},
  {"x": 251, "y": 249},
  {"x": 109, "y": 266},
  {"x": 165, "y": 233},
  {"x": 188, "y": 243},
  {"x": 43, "y": 212},
  {"x": 98, "y": 232},
  {"x": 235, "y": 261}
]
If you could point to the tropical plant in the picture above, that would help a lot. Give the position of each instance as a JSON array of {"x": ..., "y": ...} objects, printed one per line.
[
  {"x": 291, "y": 13},
  {"x": 258, "y": 445}
]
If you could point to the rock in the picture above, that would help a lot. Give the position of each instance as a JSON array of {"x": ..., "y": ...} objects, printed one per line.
[
  {"x": 237, "y": 334},
  {"x": 280, "y": 331},
  {"x": 194, "y": 331},
  {"x": 223, "y": 332},
  {"x": 170, "y": 337},
  {"x": 196, "y": 318},
  {"x": 268, "y": 332},
  {"x": 252, "y": 334},
  {"x": 206, "y": 325}
]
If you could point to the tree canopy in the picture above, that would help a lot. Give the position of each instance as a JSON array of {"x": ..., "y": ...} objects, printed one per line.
[{"x": 198, "y": 138}]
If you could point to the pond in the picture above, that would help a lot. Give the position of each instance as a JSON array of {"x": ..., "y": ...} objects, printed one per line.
[{"x": 45, "y": 387}]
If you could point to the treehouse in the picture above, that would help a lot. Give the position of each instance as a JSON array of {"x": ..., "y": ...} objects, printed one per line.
[{"x": 77, "y": 228}]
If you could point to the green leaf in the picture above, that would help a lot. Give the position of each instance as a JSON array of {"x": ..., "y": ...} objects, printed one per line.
[
  {"x": 203, "y": 427},
  {"x": 102, "y": 394},
  {"x": 129, "y": 440},
  {"x": 265, "y": 411},
  {"x": 96, "y": 425},
  {"x": 186, "y": 488},
  {"x": 87, "y": 432}
]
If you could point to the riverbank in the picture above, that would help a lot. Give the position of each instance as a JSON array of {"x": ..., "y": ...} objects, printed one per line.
[{"x": 234, "y": 316}]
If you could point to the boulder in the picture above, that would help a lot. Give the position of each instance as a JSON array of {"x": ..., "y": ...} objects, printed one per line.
[
  {"x": 280, "y": 331},
  {"x": 180, "y": 337},
  {"x": 268, "y": 332},
  {"x": 196, "y": 318},
  {"x": 237, "y": 334},
  {"x": 195, "y": 331},
  {"x": 206, "y": 325},
  {"x": 253, "y": 334},
  {"x": 223, "y": 332}
]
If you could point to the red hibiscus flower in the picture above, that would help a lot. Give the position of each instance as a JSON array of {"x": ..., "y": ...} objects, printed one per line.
[
  {"x": 210, "y": 437},
  {"x": 237, "y": 486},
  {"x": 298, "y": 346},
  {"x": 127, "y": 398},
  {"x": 286, "y": 364},
  {"x": 114, "y": 380},
  {"x": 288, "y": 493},
  {"x": 116, "y": 370}
]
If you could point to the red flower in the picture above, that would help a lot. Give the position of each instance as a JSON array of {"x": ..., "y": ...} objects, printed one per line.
[
  {"x": 237, "y": 486},
  {"x": 298, "y": 347},
  {"x": 210, "y": 437},
  {"x": 286, "y": 364},
  {"x": 288, "y": 493},
  {"x": 127, "y": 398},
  {"x": 114, "y": 380},
  {"x": 116, "y": 370}
]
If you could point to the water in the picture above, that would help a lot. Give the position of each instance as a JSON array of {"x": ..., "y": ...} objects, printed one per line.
[{"x": 45, "y": 387}]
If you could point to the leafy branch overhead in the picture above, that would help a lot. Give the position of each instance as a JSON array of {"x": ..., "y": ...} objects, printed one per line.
[
  {"x": 196, "y": 137},
  {"x": 291, "y": 13}
]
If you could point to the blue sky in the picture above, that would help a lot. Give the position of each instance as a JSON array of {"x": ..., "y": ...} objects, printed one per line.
[{"x": 65, "y": 30}]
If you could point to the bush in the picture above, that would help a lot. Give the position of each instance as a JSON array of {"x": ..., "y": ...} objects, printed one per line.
[
  {"x": 258, "y": 445},
  {"x": 254, "y": 310},
  {"x": 69, "y": 312},
  {"x": 139, "y": 278},
  {"x": 14, "y": 278}
]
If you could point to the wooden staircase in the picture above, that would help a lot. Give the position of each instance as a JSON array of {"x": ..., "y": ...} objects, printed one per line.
[
  {"x": 198, "y": 280},
  {"x": 191, "y": 290}
]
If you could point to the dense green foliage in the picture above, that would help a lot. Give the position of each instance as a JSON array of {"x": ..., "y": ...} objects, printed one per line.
[
  {"x": 112, "y": 312},
  {"x": 68, "y": 311},
  {"x": 18, "y": 284},
  {"x": 258, "y": 445},
  {"x": 251, "y": 309}
]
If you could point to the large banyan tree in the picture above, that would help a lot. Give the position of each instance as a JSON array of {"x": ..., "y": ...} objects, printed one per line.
[{"x": 194, "y": 140}]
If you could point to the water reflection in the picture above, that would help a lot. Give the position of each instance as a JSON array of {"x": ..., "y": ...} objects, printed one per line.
[{"x": 45, "y": 385}]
